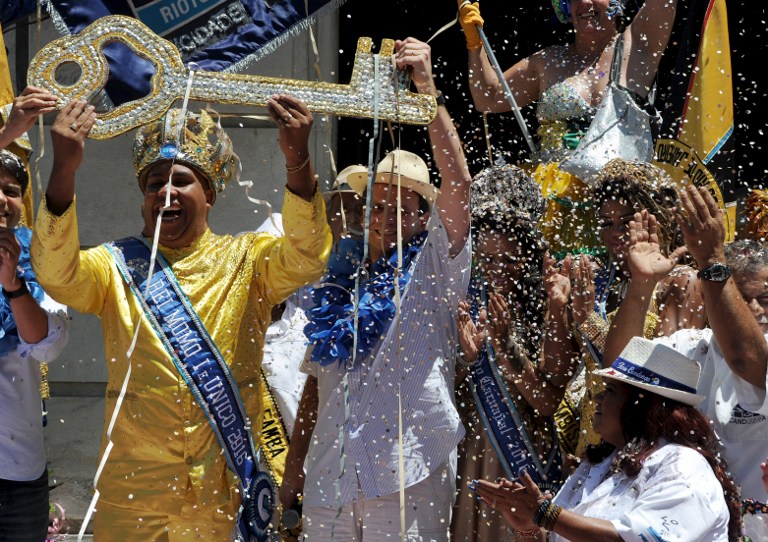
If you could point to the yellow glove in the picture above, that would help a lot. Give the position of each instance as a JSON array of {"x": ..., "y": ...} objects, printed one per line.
[{"x": 470, "y": 19}]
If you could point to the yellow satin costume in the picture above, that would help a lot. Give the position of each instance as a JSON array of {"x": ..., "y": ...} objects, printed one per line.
[{"x": 166, "y": 461}]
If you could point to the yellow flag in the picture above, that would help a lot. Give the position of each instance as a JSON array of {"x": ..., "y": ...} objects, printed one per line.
[
  {"x": 21, "y": 146},
  {"x": 696, "y": 91}
]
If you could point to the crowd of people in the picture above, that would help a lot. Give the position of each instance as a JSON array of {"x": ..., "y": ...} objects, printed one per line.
[{"x": 401, "y": 356}]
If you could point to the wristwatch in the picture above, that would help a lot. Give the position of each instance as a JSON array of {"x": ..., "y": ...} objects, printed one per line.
[
  {"x": 717, "y": 272},
  {"x": 20, "y": 291}
]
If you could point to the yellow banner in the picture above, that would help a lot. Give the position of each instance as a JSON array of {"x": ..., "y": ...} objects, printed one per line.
[{"x": 683, "y": 164}]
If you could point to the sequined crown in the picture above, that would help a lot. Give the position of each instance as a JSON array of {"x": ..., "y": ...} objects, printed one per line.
[
  {"x": 200, "y": 143},
  {"x": 506, "y": 192}
]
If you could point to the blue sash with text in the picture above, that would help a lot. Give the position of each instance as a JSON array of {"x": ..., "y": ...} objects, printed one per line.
[
  {"x": 506, "y": 429},
  {"x": 204, "y": 370}
]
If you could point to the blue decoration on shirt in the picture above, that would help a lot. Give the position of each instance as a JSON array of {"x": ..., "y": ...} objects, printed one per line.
[
  {"x": 331, "y": 326},
  {"x": 9, "y": 334}
]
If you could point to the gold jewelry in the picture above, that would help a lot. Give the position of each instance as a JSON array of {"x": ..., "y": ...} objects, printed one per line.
[
  {"x": 74, "y": 127},
  {"x": 294, "y": 169}
]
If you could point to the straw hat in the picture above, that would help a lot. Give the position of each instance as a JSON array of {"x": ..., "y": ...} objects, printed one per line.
[
  {"x": 341, "y": 184},
  {"x": 409, "y": 167},
  {"x": 657, "y": 368}
]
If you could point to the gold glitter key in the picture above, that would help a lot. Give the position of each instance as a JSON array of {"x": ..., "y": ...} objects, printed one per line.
[{"x": 394, "y": 102}]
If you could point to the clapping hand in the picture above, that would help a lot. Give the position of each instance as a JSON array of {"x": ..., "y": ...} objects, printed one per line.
[
  {"x": 557, "y": 283},
  {"x": 471, "y": 335},
  {"x": 644, "y": 257},
  {"x": 516, "y": 501},
  {"x": 582, "y": 289},
  {"x": 702, "y": 223}
]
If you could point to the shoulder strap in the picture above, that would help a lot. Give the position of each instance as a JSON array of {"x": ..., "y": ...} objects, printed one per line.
[{"x": 618, "y": 53}]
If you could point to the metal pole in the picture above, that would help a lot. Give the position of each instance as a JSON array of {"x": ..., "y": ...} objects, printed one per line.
[{"x": 507, "y": 91}]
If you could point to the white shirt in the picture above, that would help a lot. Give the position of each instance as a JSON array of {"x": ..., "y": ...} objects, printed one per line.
[
  {"x": 22, "y": 446},
  {"x": 284, "y": 348},
  {"x": 736, "y": 407},
  {"x": 415, "y": 360},
  {"x": 674, "y": 497}
]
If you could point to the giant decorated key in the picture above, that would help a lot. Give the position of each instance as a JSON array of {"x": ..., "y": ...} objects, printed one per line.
[{"x": 376, "y": 90}]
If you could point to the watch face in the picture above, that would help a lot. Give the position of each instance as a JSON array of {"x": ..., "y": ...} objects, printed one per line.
[{"x": 717, "y": 272}]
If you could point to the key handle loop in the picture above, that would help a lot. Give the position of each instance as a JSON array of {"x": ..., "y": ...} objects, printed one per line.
[
  {"x": 85, "y": 50},
  {"x": 370, "y": 81}
]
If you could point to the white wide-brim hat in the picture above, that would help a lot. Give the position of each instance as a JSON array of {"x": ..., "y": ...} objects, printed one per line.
[
  {"x": 657, "y": 368},
  {"x": 341, "y": 184},
  {"x": 411, "y": 170}
]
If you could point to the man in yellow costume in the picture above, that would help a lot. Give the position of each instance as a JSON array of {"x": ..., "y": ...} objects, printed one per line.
[{"x": 167, "y": 477}]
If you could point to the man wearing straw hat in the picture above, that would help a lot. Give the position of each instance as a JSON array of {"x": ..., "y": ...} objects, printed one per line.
[
  {"x": 184, "y": 343},
  {"x": 733, "y": 352},
  {"x": 383, "y": 348}
]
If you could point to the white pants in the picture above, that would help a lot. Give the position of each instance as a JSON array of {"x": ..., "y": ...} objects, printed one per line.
[{"x": 428, "y": 506}]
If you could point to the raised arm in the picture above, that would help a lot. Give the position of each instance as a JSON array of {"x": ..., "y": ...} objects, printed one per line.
[
  {"x": 294, "y": 124},
  {"x": 31, "y": 319},
  {"x": 560, "y": 351},
  {"x": 735, "y": 328},
  {"x": 68, "y": 135},
  {"x": 485, "y": 87},
  {"x": 27, "y": 107},
  {"x": 303, "y": 251},
  {"x": 647, "y": 266},
  {"x": 647, "y": 38},
  {"x": 447, "y": 150}
]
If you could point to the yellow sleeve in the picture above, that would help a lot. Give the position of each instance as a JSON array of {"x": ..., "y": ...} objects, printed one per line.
[
  {"x": 72, "y": 277},
  {"x": 301, "y": 255}
]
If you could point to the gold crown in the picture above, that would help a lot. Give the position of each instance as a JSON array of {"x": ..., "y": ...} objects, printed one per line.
[{"x": 201, "y": 143}]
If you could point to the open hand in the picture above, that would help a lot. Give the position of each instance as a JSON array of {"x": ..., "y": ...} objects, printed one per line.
[
  {"x": 582, "y": 289},
  {"x": 701, "y": 221},
  {"x": 557, "y": 283},
  {"x": 471, "y": 336},
  {"x": 644, "y": 257}
]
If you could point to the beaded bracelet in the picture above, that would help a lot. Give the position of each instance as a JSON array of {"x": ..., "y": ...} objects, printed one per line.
[
  {"x": 551, "y": 516},
  {"x": 546, "y": 515},
  {"x": 540, "y": 511},
  {"x": 294, "y": 169}
]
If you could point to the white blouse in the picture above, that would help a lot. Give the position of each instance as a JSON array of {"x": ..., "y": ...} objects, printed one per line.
[{"x": 674, "y": 497}]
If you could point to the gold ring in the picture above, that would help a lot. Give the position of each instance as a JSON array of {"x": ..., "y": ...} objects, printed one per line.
[
  {"x": 288, "y": 118},
  {"x": 74, "y": 126}
]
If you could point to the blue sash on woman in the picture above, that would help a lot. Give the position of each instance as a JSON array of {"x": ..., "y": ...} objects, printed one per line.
[
  {"x": 204, "y": 370},
  {"x": 501, "y": 420},
  {"x": 506, "y": 429}
]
